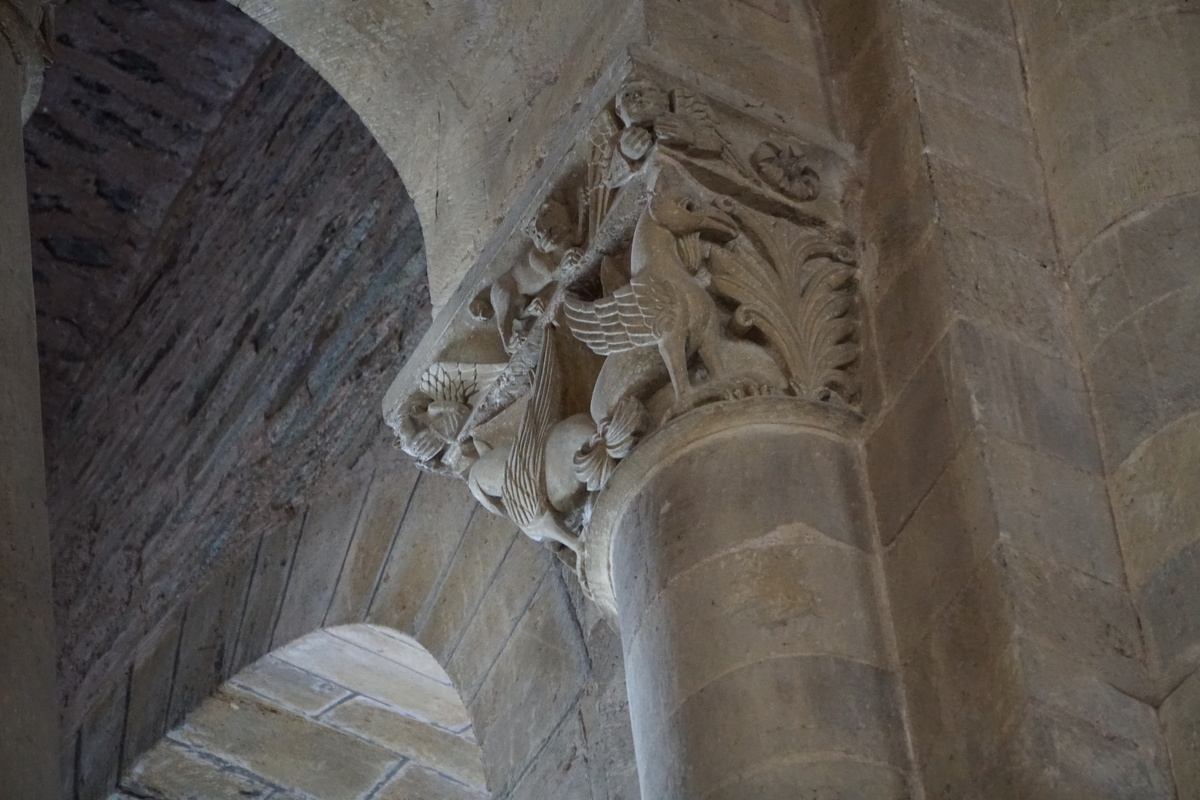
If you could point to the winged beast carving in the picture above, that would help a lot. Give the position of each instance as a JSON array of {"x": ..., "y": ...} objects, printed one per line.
[
  {"x": 675, "y": 263},
  {"x": 665, "y": 304}
]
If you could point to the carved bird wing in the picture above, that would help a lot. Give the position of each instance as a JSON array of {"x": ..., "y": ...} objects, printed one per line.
[
  {"x": 636, "y": 315},
  {"x": 691, "y": 125}
]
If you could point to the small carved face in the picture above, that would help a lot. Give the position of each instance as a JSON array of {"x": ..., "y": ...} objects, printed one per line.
[
  {"x": 641, "y": 102},
  {"x": 552, "y": 229}
]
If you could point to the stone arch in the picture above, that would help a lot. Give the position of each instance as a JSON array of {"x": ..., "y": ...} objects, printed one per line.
[
  {"x": 354, "y": 711},
  {"x": 379, "y": 542},
  {"x": 409, "y": 551}
]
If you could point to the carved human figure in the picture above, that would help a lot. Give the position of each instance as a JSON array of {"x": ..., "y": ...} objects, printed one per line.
[
  {"x": 519, "y": 293},
  {"x": 651, "y": 114}
]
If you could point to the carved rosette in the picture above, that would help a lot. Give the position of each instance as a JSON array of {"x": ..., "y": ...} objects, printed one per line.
[{"x": 688, "y": 258}]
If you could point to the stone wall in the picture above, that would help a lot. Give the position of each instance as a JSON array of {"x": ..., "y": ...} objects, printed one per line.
[
  {"x": 222, "y": 485},
  {"x": 1025, "y": 662},
  {"x": 123, "y": 120}
]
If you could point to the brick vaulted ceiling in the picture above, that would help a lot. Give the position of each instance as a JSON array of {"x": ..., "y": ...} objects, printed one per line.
[{"x": 228, "y": 271}]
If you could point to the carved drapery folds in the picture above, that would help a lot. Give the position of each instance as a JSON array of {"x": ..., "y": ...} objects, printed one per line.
[{"x": 688, "y": 255}]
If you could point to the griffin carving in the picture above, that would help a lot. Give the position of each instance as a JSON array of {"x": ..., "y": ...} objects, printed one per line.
[
  {"x": 699, "y": 258},
  {"x": 664, "y": 305}
]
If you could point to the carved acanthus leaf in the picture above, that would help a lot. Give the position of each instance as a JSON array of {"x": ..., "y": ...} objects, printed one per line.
[{"x": 799, "y": 291}]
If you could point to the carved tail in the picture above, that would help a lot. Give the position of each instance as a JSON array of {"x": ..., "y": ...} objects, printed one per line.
[{"x": 524, "y": 491}]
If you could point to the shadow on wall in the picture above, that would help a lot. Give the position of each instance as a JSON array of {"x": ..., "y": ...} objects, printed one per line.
[{"x": 357, "y": 711}]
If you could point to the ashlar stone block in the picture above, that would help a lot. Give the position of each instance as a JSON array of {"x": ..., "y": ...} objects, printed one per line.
[
  {"x": 445, "y": 752},
  {"x": 287, "y": 749}
]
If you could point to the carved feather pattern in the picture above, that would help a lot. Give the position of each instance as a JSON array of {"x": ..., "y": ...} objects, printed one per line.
[
  {"x": 524, "y": 490},
  {"x": 636, "y": 315},
  {"x": 457, "y": 382},
  {"x": 801, "y": 294}
]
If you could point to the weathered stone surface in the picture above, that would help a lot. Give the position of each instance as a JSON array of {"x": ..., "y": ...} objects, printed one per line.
[
  {"x": 1005, "y": 288},
  {"x": 436, "y": 519},
  {"x": 394, "y": 647},
  {"x": 150, "y": 691},
  {"x": 1007, "y": 217},
  {"x": 324, "y": 540},
  {"x": 898, "y": 201},
  {"x": 963, "y": 686},
  {"x": 961, "y": 62},
  {"x": 174, "y": 771},
  {"x": 1093, "y": 620},
  {"x": 901, "y": 475},
  {"x": 1049, "y": 507},
  {"x": 913, "y": 314},
  {"x": 206, "y": 644},
  {"x": 288, "y": 749},
  {"x": 414, "y": 739},
  {"x": 833, "y": 777},
  {"x": 1126, "y": 413},
  {"x": 100, "y": 741},
  {"x": 517, "y": 581},
  {"x": 543, "y": 657},
  {"x": 290, "y": 687},
  {"x": 244, "y": 374},
  {"x": 699, "y": 750},
  {"x": 793, "y": 594},
  {"x": 373, "y": 675},
  {"x": 485, "y": 543},
  {"x": 561, "y": 769},
  {"x": 122, "y": 123},
  {"x": 1060, "y": 690},
  {"x": 1172, "y": 332},
  {"x": 1169, "y": 603},
  {"x": 273, "y": 564},
  {"x": 415, "y": 783},
  {"x": 940, "y": 547},
  {"x": 378, "y": 525},
  {"x": 787, "y": 81},
  {"x": 1030, "y": 397},
  {"x": 1158, "y": 513},
  {"x": 1181, "y": 720}
]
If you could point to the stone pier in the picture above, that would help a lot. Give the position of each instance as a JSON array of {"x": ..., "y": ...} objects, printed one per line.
[{"x": 28, "y": 708}]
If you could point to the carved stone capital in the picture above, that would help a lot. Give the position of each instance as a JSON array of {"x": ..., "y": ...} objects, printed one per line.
[
  {"x": 687, "y": 258},
  {"x": 27, "y": 33}
]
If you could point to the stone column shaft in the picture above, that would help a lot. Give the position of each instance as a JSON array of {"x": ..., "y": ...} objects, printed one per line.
[
  {"x": 28, "y": 708},
  {"x": 753, "y": 642}
]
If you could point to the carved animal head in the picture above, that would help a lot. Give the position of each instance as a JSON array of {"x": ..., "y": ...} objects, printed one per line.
[
  {"x": 553, "y": 229},
  {"x": 680, "y": 211},
  {"x": 641, "y": 102}
]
